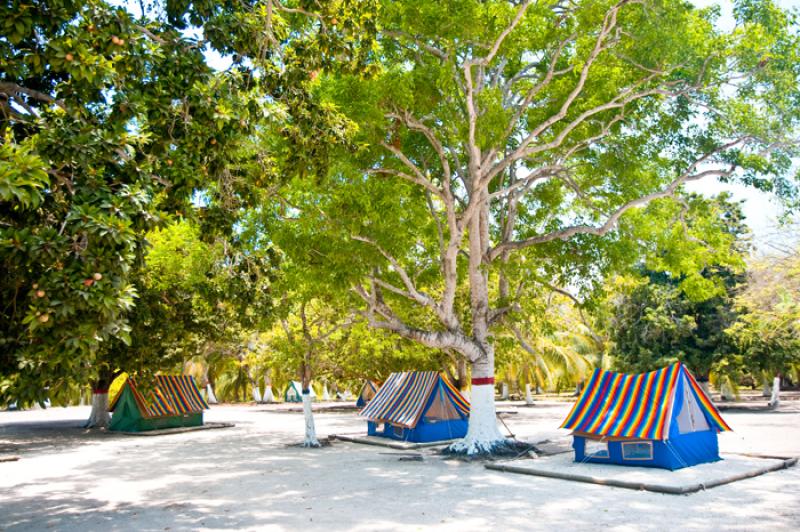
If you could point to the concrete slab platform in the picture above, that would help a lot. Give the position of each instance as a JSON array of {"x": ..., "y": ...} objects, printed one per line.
[
  {"x": 385, "y": 442},
  {"x": 731, "y": 468},
  {"x": 178, "y": 430}
]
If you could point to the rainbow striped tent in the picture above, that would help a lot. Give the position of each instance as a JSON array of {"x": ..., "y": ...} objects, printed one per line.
[
  {"x": 173, "y": 401},
  {"x": 417, "y": 406},
  {"x": 657, "y": 419}
]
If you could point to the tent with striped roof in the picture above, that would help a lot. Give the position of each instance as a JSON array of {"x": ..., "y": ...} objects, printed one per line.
[
  {"x": 172, "y": 401},
  {"x": 658, "y": 419},
  {"x": 367, "y": 393},
  {"x": 417, "y": 406}
]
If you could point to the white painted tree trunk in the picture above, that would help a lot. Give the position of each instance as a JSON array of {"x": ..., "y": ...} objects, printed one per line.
[
  {"x": 256, "y": 394},
  {"x": 766, "y": 391},
  {"x": 99, "y": 417},
  {"x": 774, "y": 400},
  {"x": 504, "y": 391},
  {"x": 482, "y": 434},
  {"x": 726, "y": 392},
  {"x": 210, "y": 397},
  {"x": 326, "y": 396},
  {"x": 528, "y": 394},
  {"x": 268, "y": 396},
  {"x": 308, "y": 415}
]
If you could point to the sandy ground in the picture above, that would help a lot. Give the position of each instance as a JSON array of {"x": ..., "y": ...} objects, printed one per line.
[{"x": 250, "y": 477}]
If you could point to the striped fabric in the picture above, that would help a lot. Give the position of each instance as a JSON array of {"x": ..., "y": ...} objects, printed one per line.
[
  {"x": 633, "y": 406},
  {"x": 706, "y": 404},
  {"x": 461, "y": 404},
  {"x": 403, "y": 397},
  {"x": 171, "y": 395}
]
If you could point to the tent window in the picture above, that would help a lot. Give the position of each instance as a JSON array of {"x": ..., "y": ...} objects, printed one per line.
[
  {"x": 398, "y": 430},
  {"x": 596, "y": 449},
  {"x": 637, "y": 450},
  {"x": 441, "y": 409}
]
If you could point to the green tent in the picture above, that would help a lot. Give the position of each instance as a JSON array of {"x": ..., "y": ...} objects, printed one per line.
[
  {"x": 174, "y": 401},
  {"x": 294, "y": 392}
]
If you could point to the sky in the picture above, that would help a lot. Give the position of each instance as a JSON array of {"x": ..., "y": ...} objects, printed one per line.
[{"x": 762, "y": 210}]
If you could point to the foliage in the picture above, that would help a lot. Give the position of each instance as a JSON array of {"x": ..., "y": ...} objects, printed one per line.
[
  {"x": 507, "y": 146},
  {"x": 767, "y": 329},
  {"x": 111, "y": 124},
  {"x": 660, "y": 316}
]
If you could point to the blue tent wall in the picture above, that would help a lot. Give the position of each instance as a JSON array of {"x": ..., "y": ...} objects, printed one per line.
[
  {"x": 425, "y": 431},
  {"x": 678, "y": 451}
]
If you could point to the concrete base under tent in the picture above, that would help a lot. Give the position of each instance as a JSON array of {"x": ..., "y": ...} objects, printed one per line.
[
  {"x": 731, "y": 468},
  {"x": 391, "y": 444}
]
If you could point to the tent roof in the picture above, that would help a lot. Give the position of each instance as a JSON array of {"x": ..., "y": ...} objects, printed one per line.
[
  {"x": 402, "y": 398},
  {"x": 171, "y": 395},
  {"x": 298, "y": 388},
  {"x": 635, "y": 406},
  {"x": 368, "y": 384}
]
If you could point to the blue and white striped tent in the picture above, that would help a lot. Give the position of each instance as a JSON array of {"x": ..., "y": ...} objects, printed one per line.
[
  {"x": 367, "y": 393},
  {"x": 417, "y": 406}
]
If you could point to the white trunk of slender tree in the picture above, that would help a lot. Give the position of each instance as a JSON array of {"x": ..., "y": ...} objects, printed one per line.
[
  {"x": 726, "y": 392},
  {"x": 268, "y": 396},
  {"x": 528, "y": 394},
  {"x": 256, "y": 394},
  {"x": 308, "y": 416},
  {"x": 99, "y": 417},
  {"x": 210, "y": 397},
  {"x": 504, "y": 391},
  {"x": 766, "y": 390},
  {"x": 774, "y": 399},
  {"x": 326, "y": 396}
]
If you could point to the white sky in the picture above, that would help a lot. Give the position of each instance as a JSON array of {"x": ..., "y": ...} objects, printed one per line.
[{"x": 761, "y": 210}]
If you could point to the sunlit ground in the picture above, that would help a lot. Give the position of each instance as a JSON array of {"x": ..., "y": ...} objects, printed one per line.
[{"x": 249, "y": 477}]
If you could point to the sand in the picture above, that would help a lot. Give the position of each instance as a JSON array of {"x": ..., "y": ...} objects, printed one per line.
[{"x": 250, "y": 477}]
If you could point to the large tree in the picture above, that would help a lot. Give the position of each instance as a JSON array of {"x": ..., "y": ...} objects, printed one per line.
[
  {"x": 111, "y": 122},
  {"x": 504, "y": 142}
]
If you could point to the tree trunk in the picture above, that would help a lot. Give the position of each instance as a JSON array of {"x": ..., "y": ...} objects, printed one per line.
[
  {"x": 528, "y": 394},
  {"x": 308, "y": 414},
  {"x": 210, "y": 397},
  {"x": 504, "y": 391},
  {"x": 256, "y": 394},
  {"x": 461, "y": 374},
  {"x": 483, "y": 436},
  {"x": 326, "y": 396},
  {"x": 100, "y": 417},
  {"x": 726, "y": 393},
  {"x": 268, "y": 396},
  {"x": 774, "y": 400}
]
